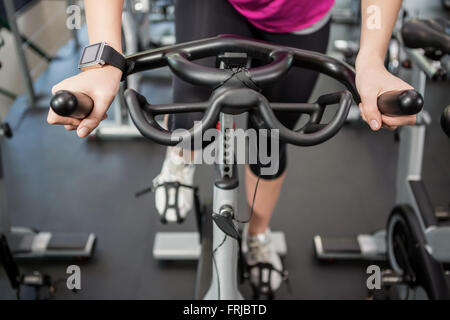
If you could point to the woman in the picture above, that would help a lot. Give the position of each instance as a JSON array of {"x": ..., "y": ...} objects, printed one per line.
[{"x": 303, "y": 24}]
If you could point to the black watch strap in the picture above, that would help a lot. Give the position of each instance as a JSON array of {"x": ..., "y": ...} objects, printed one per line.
[{"x": 114, "y": 58}]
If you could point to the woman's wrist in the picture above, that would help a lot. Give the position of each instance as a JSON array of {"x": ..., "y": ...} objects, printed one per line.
[
  {"x": 371, "y": 59},
  {"x": 111, "y": 72},
  {"x": 114, "y": 71}
]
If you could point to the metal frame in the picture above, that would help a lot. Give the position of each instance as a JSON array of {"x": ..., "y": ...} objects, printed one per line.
[
  {"x": 223, "y": 283},
  {"x": 24, "y": 68},
  {"x": 349, "y": 15},
  {"x": 19, "y": 39},
  {"x": 225, "y": 249},
  {"x": 409, "y": 168}
]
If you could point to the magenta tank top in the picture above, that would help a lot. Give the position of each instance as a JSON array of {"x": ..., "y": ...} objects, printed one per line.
[{"x": 282, "y": 16}]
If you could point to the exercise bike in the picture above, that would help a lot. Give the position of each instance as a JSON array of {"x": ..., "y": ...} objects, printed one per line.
[
  {"x": 235, "y": 90},
  {"x": 414, "y": 243}
]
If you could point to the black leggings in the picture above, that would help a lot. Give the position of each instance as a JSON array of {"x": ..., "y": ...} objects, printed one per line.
[{"x": 197, "y": 19}]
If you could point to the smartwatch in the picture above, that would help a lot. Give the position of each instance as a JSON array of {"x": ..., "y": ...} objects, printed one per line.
[{"x": 100, "y": 54}]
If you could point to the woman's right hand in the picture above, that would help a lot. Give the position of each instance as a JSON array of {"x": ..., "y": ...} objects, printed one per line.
[{"x": 101, "y": 85}]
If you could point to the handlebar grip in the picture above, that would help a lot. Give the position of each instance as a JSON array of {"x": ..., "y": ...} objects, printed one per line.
[
  {"x": 71, "y": 104},
  {"x": 445, "y": 121},
  {"x": 398, "y": 103}
]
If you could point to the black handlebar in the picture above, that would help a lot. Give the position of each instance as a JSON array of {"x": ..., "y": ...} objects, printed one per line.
[
  {"x": 239, "y": 100},
  {"x": 73, "y": 104},
  {"x": 236, "y": 91},
  {"x": 277, "y": 57},
  {"x": 397, "y": 103}
]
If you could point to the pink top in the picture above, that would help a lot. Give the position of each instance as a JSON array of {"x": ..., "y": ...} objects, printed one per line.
[{"x": 282, "y": 16}]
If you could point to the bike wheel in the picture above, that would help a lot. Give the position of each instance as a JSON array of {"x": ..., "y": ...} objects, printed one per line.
[{"x": 409, "y": 257}]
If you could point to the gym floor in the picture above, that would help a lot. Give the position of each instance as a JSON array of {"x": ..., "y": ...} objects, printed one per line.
[{"x": 345, "y": 186}]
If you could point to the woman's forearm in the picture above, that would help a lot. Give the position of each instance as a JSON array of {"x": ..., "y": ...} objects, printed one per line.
[
  {"x": 372, "y": 78},
  {"x": 104, "y": 20},
  {"x": 377, "y": 23}
]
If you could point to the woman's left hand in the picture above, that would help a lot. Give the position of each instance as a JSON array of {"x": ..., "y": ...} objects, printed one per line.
[{"x": 372, "y": 80}]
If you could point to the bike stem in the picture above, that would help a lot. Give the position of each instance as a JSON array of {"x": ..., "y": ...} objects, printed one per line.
[{"x": 224, "y": 283}]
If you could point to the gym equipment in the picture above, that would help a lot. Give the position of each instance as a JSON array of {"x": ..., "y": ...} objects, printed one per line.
[
  {"x": 27, "y": 244},
  {"x": 18, "y": 7},
  {"x": 445, "y": 121},
  {"x": 446, "y": 4},
  {"x": 9, "y": 9},
  {"x": 350, "y": 15},
  {"x": 148, "y": 15},
  {"x": 11, "y": 14},
  {"x": 3, "y": 91},
  {"x": 35, "y": 280},
  {"x": 30, "y": 244},
  {"x": 235, "y": 91},
  {"x": 349, "y": 50},
  {"x": 414, "y": 243},
  {"x": 162, "y": 16}
]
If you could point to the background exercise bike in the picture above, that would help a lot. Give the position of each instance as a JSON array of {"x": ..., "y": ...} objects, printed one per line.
[
  {"x": 415, "y": 243},
  {"x": 235, "y": 90}
]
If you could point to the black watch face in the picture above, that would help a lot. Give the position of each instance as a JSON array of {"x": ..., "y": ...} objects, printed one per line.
[{"x": 91, "y": 54}]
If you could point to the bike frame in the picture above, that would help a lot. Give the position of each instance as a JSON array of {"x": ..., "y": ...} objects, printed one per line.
[
  {"x": 225, "y": 253},
  {"x": 409, "y": 184}
]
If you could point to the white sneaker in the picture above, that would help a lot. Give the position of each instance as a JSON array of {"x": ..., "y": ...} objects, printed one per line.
[
  {"x": 264, "y": 264},
  {"x": 174, "y": 170}
]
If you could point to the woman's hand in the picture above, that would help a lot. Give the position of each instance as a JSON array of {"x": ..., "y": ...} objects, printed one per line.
[
  {"x": 101, "y": 85},
  {"x": 372, "y": 79}
]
